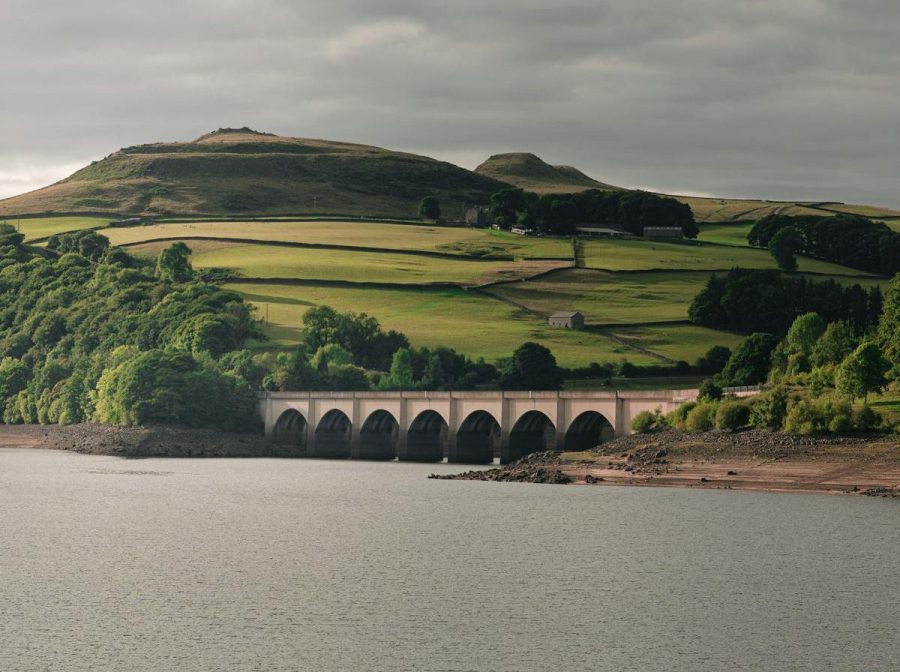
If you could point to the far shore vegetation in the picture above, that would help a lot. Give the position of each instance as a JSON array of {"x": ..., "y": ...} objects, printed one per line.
[{"x": 126, "y": 320}]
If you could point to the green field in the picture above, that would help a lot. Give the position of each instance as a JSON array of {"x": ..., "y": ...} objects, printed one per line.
[
  {"x": 449, "y": 239},
  {"x": 640, "y": 255},
  {"x": 608, "y": 298},
  {"x": 466, "y": 321},
  {"x": 863, "y": 210},
  {"x": 687, "y": 342},
  {"x": 730, "y": 209},
  {"x": 623, "y": 309},
  {"x": 41, "y": 227},
  {"x": 271, "y": 261},
  {"x": 725, "y": 234},
  {"x": 387, "y": 236},
  {"x": 493, "y": 327}
]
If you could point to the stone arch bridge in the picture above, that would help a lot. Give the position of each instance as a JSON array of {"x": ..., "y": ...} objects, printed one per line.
[{"x": 472, "y": 427}]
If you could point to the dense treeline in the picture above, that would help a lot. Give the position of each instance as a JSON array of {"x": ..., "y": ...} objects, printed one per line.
[
  {"x": 559, "y": 214},
  {"x": 91, "y": 334},
  {"x": 816, "y": 373},
  {"x": 851, "y": 241},
  {"x": 748, "y": 301}
]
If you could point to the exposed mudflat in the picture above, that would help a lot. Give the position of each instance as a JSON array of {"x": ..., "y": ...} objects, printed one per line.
[{"x": 750, "y": 460}]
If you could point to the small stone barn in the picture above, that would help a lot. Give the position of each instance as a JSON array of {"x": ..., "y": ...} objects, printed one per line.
[{"x": 567, "y": 320}]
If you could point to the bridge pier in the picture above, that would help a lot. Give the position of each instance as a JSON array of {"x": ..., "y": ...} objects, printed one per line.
[{"x": 470, "y": 426}]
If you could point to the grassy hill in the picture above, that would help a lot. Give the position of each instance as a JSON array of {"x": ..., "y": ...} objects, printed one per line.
[
  {"x": 239, "y": 171},
  {"x": 741, "y": 210},
  {"x": 531, "y": 173}
]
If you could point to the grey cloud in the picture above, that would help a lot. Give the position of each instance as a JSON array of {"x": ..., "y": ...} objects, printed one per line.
[{"x": 767, "y": 99}]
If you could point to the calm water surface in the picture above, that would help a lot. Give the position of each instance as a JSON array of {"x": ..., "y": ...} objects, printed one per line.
[{"x": 107, "y": 564}]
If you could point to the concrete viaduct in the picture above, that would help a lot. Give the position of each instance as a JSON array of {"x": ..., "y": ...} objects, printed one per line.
[{"x": 473, "y": 427}]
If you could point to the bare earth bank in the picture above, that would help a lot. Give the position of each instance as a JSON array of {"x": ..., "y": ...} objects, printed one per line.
[
  {"x": 152, "y": 441},
  {"x": 749, "y": 460}
]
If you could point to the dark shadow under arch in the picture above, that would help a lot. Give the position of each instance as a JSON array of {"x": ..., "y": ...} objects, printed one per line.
[
  {"x": 532, "y": 432},
  {"x": 378, "y": 437},
  {"x": 588, "y": 430},
  {"x": 478, "y": 439},
  {"x": 291, "y": 429},
  {"x": 427, "y": 438},
  {"x": 332, "y": 436}
]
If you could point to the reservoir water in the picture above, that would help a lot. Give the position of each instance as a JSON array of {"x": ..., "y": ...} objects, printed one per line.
[{"x": 270, "y": 565}]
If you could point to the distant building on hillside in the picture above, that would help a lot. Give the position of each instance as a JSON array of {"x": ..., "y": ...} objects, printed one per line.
[
  {"x": 599, "y": 232},
  {"x": 663, "y": 232},
  {"x": 567, "y": 320},
  {"x": 522, "y": 231}
]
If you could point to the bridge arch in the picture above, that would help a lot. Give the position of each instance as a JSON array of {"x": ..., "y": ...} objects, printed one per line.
[
  {"x": 478, "y": 439},
  {"x": 427, "y": 437},
  {"x": 532, "y": 432},
  {"x": 333, "y": 435},
  {"x": 588, "y": 430},
  {"x": 291, "y": 429},
  {"x": 378, "y": 436}
]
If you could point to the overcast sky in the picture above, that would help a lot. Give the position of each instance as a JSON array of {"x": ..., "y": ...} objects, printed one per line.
[{"x": 794, "y": 99}]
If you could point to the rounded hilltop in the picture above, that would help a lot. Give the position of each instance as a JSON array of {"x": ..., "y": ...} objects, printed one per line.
[
  {"x": 227, "y": 132},
  {"x": 244, "y": 172},
  {"x": 531, "y": 173}
]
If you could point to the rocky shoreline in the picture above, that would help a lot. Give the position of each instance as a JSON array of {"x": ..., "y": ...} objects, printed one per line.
[
  {"x": 535, "y": 468},
  {"x": 749, "y": 460}
]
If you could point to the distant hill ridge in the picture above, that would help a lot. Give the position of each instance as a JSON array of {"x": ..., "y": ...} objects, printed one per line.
[
  {"x": 531, "y": 173},
  {"x": 241, "y": 172}
]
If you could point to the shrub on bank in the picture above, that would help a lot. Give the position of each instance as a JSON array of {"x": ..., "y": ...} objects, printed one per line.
[
  {"x": 841, "y": 424},
  {"x": 710, "y": 390},
  {"x": 702, "y": 417},
  {"x": 677, "y": 417},
  {"x": 770, "y": 408},
  {"x": 868, "y": 419},
  {"x": 647, "y": 421},
  {"x": 642, "y": 422},
  {"x": 732, "y": 415},
  {"x": 807, "y": 416}
]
